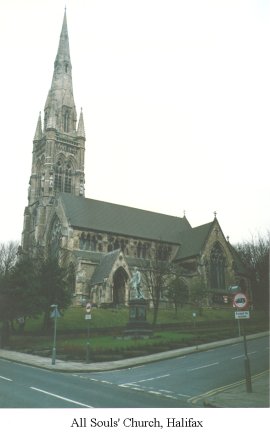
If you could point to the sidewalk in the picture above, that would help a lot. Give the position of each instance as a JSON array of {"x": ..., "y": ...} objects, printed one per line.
[
  {"x": 233, "y": 396},
  {"x": 237, "y": 396}
]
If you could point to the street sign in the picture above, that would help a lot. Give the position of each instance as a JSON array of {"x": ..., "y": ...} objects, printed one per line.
[
  {"x": 234, "y": 289},
  {"x": 242, "y": 314},
  {"x": 55, "y": 313},
  {"x": 88, "y": 308},
  {"x": 240, "y": 301},
  {"x": 88, "y": 316}
]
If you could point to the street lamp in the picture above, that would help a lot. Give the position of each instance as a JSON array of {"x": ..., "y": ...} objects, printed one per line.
[{"x": 54, "y": 314}]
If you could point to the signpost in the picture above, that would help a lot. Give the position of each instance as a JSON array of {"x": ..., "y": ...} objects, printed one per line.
[
  {"x": 88, "y": 318},
  {"x": 54, "y": 314},
  {"x": 241, "y": 303}
]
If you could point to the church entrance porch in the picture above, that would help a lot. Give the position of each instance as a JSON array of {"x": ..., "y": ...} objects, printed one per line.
[{"x": 120, "y": 287}]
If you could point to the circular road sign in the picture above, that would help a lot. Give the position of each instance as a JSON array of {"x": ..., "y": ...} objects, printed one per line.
[
  {"x": 240, "y": 300},
  {"x": 88, "y": 308}
]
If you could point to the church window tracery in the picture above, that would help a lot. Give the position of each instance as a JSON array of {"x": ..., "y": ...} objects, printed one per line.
[
  {"x": 63, "y": 177},
  {"x": 55, "y": 239},
  {"x": 66, "y": 121},
  {"x": 58, "y": 176},
  {"x": 67, "y": 187},
  {"x": 217, "y": 267}
]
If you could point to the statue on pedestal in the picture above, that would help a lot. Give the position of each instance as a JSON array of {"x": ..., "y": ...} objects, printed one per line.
[{"x": 136, "y": 284}]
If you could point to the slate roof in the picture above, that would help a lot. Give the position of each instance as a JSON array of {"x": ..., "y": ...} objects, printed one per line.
[
  {"x": 90, "y": 214},
  {"x": 192, "y": 241},
  {"x": 94, "y": 257},
  {"x": 104, "y": 269}
]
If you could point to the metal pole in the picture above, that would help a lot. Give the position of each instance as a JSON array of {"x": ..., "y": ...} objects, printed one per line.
[
  {"x": 239, "y": 328},
  {"x": 54, "y": 337},
  {"x": 88, "y": 343},
  {"x": 247, "y": 364}
]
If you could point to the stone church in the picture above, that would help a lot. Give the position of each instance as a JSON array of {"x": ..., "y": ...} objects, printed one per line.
[{"x": 104, "y": 242}]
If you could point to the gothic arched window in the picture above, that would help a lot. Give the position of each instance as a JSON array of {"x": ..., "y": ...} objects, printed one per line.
[
  {"x": 217, "y": 267},
  {"x": 58, "y": 180},
  {"x": 139, "y": 249},
  {"x": 67, "y": 187},
  {"x": 88, "y": 242},
  {"x": 66, "y": 121},
  {"x": 93, "y": 243},
  {"x": 144, "y": 250},
  {"x": 55, "y": 237},
  {"x": 82, "y": 241}
]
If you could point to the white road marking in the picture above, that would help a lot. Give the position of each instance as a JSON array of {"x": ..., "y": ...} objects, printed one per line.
[
  {"x": 203, "y": 366},
  {"x": 62, "y": 398},
  {"x": 145, "y": 380},
  {"x": 242, "y": 355},
  {"x": 6, "y": 378},
  {"x": 153, "y": 378},
  {"x": 183, "y": 395}
]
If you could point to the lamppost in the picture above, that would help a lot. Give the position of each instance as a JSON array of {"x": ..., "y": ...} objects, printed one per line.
[{"x": 55, "y": 314}]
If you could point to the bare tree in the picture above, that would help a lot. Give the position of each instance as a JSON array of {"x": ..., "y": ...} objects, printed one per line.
[
  {"x": 156, "y": 277},
  {"x": 198, "y": 294},
  {"x": 255, "y": 256},
  {"x": 177, "y": 292},
  {"x": 8, "y": 256}
]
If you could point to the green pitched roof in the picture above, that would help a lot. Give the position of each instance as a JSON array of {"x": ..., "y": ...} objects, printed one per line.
[
  {"x": 104, "y": 269},
  {"x": 192, "y": 241},
  {"x": 102, "y": 216}
]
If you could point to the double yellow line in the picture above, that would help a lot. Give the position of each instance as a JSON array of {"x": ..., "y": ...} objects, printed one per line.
[{"x": 210, "y": 393}]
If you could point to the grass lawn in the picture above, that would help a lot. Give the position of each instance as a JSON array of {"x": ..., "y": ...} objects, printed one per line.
[{"x": 73, "y": 319}]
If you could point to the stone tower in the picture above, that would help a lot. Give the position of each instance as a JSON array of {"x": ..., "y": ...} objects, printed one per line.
[{"x": 58, "y": 150}]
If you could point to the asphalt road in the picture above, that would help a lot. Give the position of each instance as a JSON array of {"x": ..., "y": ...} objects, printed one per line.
[{"x": 178, "y": 382}]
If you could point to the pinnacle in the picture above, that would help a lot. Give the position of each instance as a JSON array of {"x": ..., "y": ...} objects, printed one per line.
[
  {"x": 38, "y": 132},
  {"x": 80, "y": 130}
]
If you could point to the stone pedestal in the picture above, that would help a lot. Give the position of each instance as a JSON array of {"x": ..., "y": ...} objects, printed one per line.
[{"x": 137, "y": 325}]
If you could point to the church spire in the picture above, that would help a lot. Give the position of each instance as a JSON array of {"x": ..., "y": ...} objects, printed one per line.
[
  {"x": 60, "y": 100},
  {"x": 63, "y": 54}
]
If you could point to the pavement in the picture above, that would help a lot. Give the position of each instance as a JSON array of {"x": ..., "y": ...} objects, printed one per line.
[{"x": 231, "y": 396}]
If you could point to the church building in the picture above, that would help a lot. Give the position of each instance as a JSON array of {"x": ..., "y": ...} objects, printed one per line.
[{"x": 104, "y": 242}]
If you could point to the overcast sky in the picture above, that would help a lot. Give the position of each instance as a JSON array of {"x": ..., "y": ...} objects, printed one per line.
[{"x": 175, "y": 95}]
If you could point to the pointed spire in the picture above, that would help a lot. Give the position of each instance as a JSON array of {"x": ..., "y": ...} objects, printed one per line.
[
  {"x": 63, "y": 48},
  {"x": 80, "y": 129},
  {"x": 60, "y": 97},
  {"x": 38, "y": 133}
]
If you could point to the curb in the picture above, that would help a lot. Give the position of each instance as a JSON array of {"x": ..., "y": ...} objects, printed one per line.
[{"x": 73, "y": 367}]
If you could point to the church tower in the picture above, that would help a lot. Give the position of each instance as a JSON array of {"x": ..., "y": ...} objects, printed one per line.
[{"x": 58, "y": 149}]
